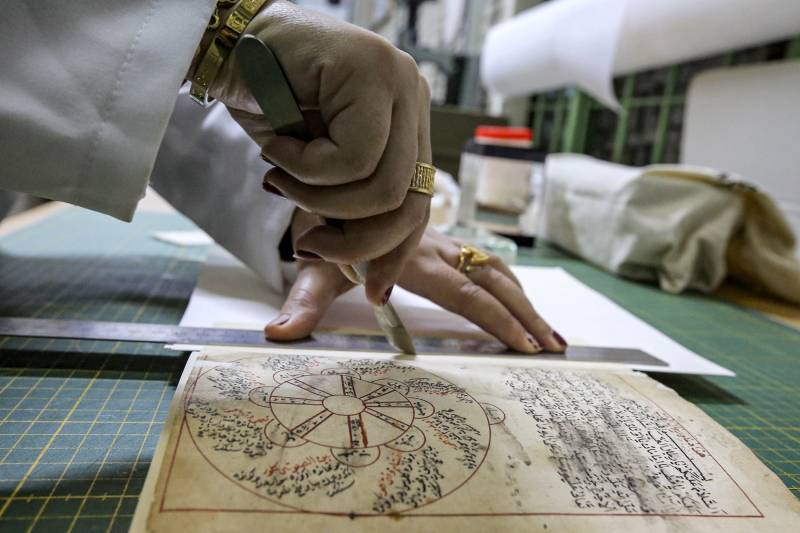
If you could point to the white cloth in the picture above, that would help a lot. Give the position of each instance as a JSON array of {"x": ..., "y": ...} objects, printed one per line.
[
  {"x": 87, "y": 91},
  {"x": 210, "y": 170},
  {"x": 686, "y": 227}
]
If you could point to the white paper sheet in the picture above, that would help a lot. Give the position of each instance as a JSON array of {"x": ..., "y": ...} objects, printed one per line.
[
  {"x": 587, "y": 42},
  {"x": 228, "y": 294},
  {"x": 183, "y": 238}
]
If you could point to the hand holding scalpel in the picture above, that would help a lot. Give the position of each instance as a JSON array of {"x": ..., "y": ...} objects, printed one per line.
[{"x": 266, "y": 80}]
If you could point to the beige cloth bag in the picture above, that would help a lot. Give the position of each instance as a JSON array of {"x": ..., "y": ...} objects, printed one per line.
[{"x": 685, "y": 227}]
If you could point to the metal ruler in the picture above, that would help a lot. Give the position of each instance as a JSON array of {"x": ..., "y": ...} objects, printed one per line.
[{"x": 163, "y": 334}]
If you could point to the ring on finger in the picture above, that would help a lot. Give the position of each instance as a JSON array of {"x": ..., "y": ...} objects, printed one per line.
[
  {"x": 423, "y": 178},
  {"x": 470, "y": 257}
]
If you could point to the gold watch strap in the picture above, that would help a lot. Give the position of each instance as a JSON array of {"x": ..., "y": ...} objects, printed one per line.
[
  {"x": 220, "y": 48},
  {"x": 422, "y": 180}
]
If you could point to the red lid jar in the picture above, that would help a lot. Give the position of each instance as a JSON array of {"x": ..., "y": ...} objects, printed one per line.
[{"x": 504, "y": 136}]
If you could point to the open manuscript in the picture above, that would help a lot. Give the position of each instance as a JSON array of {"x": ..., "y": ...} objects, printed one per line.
[{"x": 329, "y": 441}]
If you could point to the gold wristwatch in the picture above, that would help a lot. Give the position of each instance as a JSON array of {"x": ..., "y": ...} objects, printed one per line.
[{"x": 228, "y": 33}]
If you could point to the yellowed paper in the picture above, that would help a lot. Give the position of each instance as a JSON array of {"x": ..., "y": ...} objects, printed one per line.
[{"x": 289, "y": 441}]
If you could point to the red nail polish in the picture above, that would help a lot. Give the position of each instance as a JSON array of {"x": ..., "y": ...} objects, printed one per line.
[
  {"x": 560, "y": 339},
  {"x": 281, "y": 319},
  {"x": 386, "y": 295},
  {"x": 306, "y": 259},
  {"x": 271, "y": 188},
  {"x": 533, "y": 342},
  {"x": 306, "y": 255}
]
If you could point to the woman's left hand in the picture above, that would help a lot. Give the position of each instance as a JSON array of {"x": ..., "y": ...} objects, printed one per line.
[{"x": 489, "y": 295}]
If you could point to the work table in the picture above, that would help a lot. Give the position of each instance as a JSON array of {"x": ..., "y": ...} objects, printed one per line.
[{"x": 80, "y": 420}]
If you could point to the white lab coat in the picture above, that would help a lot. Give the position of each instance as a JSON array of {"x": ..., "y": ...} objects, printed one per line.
[
  {"x": 87, "y": 89},
  {"x": 210, "y": 170}
]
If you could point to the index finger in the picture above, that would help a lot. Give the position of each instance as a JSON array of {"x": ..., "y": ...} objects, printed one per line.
[{"x": 358, "y": 130}]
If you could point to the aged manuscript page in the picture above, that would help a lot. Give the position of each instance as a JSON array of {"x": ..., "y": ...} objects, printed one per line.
[{"x": 331, "y": 441}]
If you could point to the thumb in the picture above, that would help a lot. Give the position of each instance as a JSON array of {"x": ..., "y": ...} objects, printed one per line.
[{"x": 317, "y": 285}]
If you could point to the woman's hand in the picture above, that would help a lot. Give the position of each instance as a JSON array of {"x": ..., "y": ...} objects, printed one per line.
[
  {"x": 489, "y": 295},
  {"x": 368, "y": 108}
]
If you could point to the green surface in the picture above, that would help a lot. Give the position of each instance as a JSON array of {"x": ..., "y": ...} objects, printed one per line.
[{"x": 80, "y": 420}]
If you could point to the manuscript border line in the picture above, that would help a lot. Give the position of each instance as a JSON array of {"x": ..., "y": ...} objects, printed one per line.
[{"x": 411, "y": 513}]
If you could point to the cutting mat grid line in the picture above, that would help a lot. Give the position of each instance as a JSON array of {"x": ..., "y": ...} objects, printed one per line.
[
  {"x": 75, "y": 454},
  {"x": 79, "y": 420}
]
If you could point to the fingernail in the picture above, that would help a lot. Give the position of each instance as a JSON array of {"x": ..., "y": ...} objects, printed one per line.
[
  {"x": 281, "y": 320},
  {"x": 386, "y": 295},
  {"x": 271, "y": 188},
  {"x": 560, "y": 339},
  {"x": 534, "y": 345},
  {"x": 306, "y": 255}
]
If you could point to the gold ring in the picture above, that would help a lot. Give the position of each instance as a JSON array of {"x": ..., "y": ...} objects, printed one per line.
[
  {"x": 422, "y": 180},
  {"x": 470, "y": 257}
]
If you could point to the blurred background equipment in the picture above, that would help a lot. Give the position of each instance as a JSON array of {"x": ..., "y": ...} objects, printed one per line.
[
  {"x": 547, "y": 47},
  {"x": 586, "y": 42},
  {"x": 501, "y": 179},
  {"x": 746, "y": 120}
]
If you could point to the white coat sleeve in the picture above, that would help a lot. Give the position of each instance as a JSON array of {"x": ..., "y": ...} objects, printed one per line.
[
  {"x": 210, "y": 170},
  {"x": 86, "y": 90}
]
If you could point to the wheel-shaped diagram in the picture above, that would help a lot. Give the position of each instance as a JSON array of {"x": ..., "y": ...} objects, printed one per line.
[
  {"x": 341, "y": 410},
  {"x": 359, "y": 438}
]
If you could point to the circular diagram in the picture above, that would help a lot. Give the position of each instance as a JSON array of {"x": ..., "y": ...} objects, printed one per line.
[
  {"x": 310, "y": 436},
  {"x": 341, "y": 411}
]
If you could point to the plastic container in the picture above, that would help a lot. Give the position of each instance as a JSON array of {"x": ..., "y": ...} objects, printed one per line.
[{"x": 501, "y": 178}]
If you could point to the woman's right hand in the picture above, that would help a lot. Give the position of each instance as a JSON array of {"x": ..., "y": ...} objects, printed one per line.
[{"x": 369, "y": 108}]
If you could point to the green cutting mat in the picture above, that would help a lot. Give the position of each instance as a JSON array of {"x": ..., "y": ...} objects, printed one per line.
[{"x": 79, "y": 420}]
